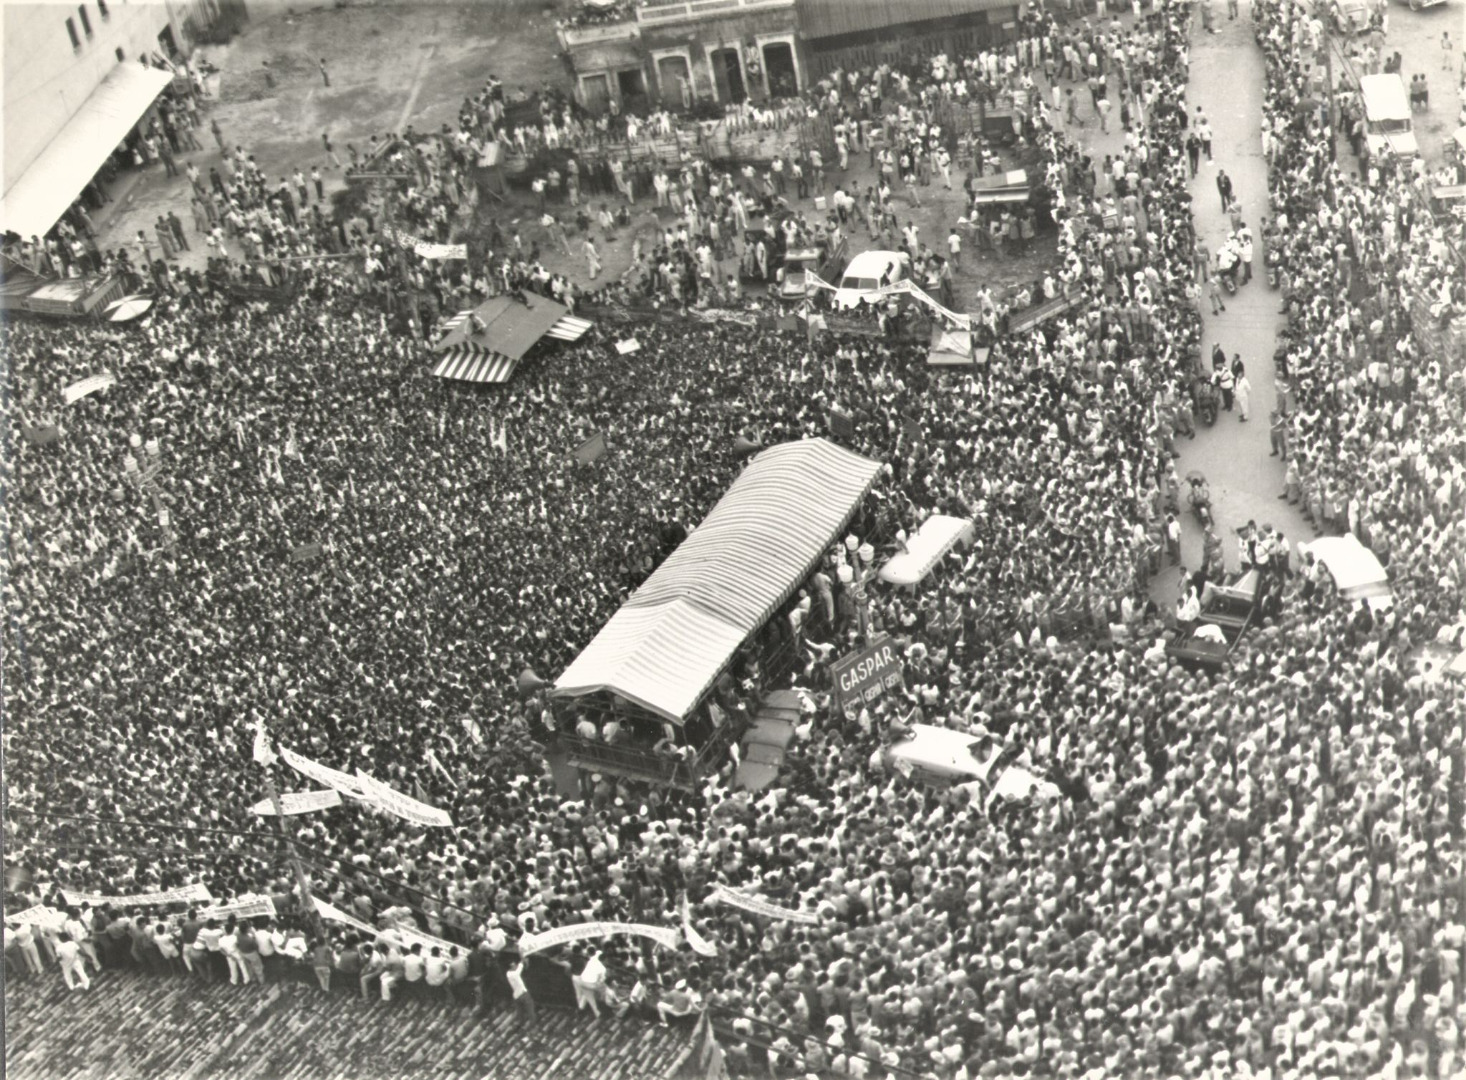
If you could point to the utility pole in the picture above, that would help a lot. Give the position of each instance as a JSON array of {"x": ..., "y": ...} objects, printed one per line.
[{"x": 266, "y": 759}]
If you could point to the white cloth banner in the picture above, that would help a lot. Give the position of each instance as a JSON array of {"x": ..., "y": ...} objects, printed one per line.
[
  {"x": 530, "y": 944},
  {"x": 695, "y": 941},
  {"x": 906, "y": 287},
  {"x": 343, "y": 782},
  {"x": 299, "y": 802},
  {"x": 244, "y": 908},
  {"x": 40, "y": 915},
  {"x": 404, "y": 937},
  {"x": 90, "y": 385},
  {"x": 724, "y": 895},
  {"x": 425, "y": 250},
  {"x": 403, "y": 806},
  {"x": 191, "y": 894}
]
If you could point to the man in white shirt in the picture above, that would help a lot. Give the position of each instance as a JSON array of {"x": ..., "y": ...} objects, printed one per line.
[
  {"x": 72, "y": 968},
  {"x": 589, "y": 983}
]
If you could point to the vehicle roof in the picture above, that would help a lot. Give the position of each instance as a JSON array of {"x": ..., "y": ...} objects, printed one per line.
[
  {"x": 873, "y": 263},
  {"x": 1385, "y": 97}
]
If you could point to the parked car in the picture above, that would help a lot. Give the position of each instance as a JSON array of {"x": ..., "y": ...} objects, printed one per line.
[
  {"x": 1350, "y": 16},
  {"x": 868, "y": 272}
]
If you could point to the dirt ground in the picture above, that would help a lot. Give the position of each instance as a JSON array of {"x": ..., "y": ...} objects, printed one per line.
[{"x": 395, "y": 65}]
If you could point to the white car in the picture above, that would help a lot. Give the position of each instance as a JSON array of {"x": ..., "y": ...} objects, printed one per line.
[{"x": 868, "y": 272}]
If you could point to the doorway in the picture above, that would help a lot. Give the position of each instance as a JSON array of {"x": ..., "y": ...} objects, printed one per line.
[
  {"x": 779, "y": 73},
  {"x": 167, "y": 44},
  {"x": 632, "y": 86},
  {"x": 728, "y": 73},
  {"x": 674, "y": 81},
  {"x": 595, "y": 93}
]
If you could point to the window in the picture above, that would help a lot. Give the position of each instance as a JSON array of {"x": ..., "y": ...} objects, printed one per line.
[
  {"x": 86, "y": 22},
  {"x": 102, "y": 9},
  {"x": 71, "y": 33},
  {"x": 121, "y": 56}
]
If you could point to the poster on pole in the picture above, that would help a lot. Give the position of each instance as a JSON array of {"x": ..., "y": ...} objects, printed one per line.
[
  {"x": 594, "y": 447},
  {"x": 299, "y": 802},
  {"x": 866, "y": 674},
  {"x": 343, "y": 782}
]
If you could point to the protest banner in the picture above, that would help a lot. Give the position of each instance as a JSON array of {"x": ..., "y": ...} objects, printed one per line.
[
  {"x": 90, "y": 385},
  {"x": 252, "y": 907},
  {"x": 40, "y": 915},
  {"x": 866, "y": 674},
  {"x": 322, "y": 774},
  {"x": 425, "y": 249},
  {"x": 40, "y": 436},
  {"x": 189, "y": 894},
  {"x": 407, "y": 937},
  {"x": 630, "y": 345},
  {"x": 841, "y": 426},
  {"x": 299, "y": 802},
  {"x": 400, "y": 805},
  {"x": 695, "y": 941},
  {"x": 723, "y": 895},
  {"x": 591, "y": 449},
  {"x": 530, "y": 944}
]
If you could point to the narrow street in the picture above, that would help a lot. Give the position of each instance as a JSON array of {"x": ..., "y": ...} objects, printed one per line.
[{"x": 1227, "y": 82}]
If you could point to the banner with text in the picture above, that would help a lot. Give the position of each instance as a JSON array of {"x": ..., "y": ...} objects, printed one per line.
[
  {"x": 40, "y": 915},
  {"x": 191, "y": 894},
  {"x": 403, "y": 806},
  {"x": 299, "y": 802},
  {"x": 530, "y": 944},
  {"x": 343, "y": 782},
  {"x": 90, "y": 385},
  {"x": 408, "y": 937},
  {"x": 723, "y": 895},
  {"x": 250, "y": 908}
]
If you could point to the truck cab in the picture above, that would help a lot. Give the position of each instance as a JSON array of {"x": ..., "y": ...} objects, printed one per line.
[{"x": 825, "y": 258}]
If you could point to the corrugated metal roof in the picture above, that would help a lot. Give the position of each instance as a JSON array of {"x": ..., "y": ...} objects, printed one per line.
[
  {"x": 509, "y": 327},
  {"x": 827, "y": 18},
  {"x": 668, "y": 643},
  {"x": 41, "y": 195}
]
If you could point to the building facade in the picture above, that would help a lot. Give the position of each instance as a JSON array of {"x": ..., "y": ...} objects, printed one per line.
[
  {"x": 56, "y": 55},
  {"x": 675, "y": 52}
]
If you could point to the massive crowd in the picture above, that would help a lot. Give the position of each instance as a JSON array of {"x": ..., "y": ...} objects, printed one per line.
[{"x": 1254, "y": 873}]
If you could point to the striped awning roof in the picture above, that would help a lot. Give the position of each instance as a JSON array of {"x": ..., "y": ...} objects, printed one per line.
[
  {"x": 470, "y": 363},
  {"x": 677, "y": 633},
  {"x": 569, "y": 328}
]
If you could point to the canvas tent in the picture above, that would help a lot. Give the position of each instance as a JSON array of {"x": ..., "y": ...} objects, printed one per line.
[{"x": 668, "y": 643}]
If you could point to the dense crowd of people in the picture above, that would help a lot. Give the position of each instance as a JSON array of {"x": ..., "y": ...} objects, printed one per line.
[{"x": 1250, "y": 873}]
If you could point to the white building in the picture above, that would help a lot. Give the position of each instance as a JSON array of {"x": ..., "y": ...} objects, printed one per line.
[{"x": 76, "y": 81}]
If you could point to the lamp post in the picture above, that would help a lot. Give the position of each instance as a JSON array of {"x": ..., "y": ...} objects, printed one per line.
[{"x": 854, "y": 574}]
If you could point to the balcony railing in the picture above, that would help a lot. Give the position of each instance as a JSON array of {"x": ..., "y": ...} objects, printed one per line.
[
  {"x": 596, "y": 33},
  {"x": 642, "y": 764},
  {"x": 686, "y": 10}
]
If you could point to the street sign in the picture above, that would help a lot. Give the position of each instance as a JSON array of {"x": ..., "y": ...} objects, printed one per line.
[{"x": 866, "y": 674}]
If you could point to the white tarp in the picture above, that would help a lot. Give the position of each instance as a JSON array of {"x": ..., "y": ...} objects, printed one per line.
[{"x": 48, "y": 186}]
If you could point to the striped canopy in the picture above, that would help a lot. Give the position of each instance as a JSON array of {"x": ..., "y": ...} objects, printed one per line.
[
  {"x": 488, "y": 351},
  {"x": 677, "y": 633},
  {"x": 471, "y": 363}
]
